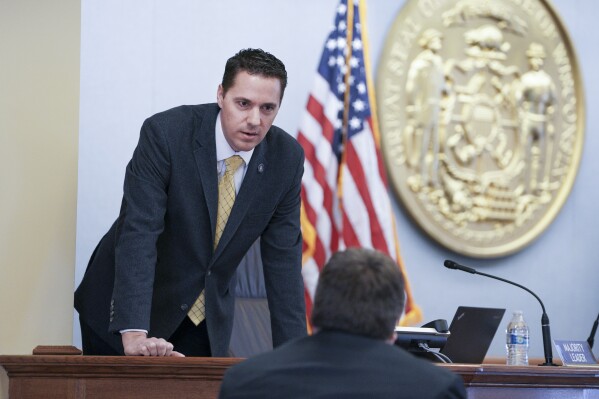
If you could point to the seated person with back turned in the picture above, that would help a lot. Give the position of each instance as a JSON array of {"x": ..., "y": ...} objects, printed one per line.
[{"x": 359, "y": 299}]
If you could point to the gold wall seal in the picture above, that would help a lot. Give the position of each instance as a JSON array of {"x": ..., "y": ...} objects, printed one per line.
[{"x": 482, "y": 119}]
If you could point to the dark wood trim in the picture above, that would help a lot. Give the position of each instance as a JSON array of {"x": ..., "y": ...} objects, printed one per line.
[
  {"x": 56, "y": 350},
  {"x": 75, "y": 376}
]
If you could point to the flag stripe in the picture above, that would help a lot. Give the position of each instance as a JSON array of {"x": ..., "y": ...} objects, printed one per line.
[
  {"x": 362, "y": 185},
  {"x": 316, "y": 246}
]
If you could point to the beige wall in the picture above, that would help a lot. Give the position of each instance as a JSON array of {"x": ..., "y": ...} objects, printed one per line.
[{"x": 39, "y": 111}]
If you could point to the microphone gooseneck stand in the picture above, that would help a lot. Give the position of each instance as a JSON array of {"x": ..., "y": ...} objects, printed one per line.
[{"x": 546, "y": 331}]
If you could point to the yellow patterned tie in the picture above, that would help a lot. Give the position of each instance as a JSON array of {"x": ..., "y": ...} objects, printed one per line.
[{"x": 226, "y": 198}]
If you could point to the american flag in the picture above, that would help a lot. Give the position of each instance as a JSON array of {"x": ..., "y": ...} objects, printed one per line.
[{"x": 345, "y": 202}]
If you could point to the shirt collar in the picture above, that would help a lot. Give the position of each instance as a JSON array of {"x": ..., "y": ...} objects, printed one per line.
[{"x": 223, "y": 149}]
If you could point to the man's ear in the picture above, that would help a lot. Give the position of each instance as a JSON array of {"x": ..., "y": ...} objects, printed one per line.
[
  {"x": 391, "y": 340},
  {"x": 220, "y": 95}
]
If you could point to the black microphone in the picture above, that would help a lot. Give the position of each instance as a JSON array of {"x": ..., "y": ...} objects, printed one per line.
[
  {"x": 591, "y": 339},
  {"x": 544, "y": 318}
]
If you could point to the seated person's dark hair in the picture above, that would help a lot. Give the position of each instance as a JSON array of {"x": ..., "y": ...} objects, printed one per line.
[{"x": 361, "y": 292}]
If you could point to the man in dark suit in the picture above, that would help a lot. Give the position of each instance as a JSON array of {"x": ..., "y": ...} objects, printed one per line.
[
  {"x": 162, "y": 280},
  {"x": 359, "y": 299}
]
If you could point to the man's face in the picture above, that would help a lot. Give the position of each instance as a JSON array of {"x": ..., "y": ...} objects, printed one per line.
[
  {"x": 536, "y": 63},
  {"x": 248, "y": 109}
]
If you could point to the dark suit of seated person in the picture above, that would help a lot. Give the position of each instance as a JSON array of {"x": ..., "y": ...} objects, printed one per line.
[{"x": 358, "y": 302}]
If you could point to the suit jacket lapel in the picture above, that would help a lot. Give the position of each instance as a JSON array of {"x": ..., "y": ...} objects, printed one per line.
[{"x": 205, "y": 157}]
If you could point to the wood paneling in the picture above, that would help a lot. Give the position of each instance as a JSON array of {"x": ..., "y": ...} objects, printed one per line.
[{"x": 77, "y": 377}]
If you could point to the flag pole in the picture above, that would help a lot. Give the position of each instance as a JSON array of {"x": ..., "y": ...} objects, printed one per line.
[{"x": 346, "y": 98}]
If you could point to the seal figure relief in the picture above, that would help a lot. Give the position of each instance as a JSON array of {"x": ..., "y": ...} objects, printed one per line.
[{"x": 481, "y": 111}]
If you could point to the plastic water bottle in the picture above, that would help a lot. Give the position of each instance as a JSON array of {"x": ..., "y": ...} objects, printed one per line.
[{"x": 517, "y": 341}]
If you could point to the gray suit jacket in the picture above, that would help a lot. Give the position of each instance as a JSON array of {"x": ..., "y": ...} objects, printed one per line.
[{"x": 158, "y": 256}]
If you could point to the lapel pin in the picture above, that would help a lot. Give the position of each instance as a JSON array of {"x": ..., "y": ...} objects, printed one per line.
[{"x": 261, "y": 168}]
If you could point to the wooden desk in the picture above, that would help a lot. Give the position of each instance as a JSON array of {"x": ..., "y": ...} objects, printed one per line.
[
  {"x": 75, "y": 377},
  {"x": 491, "y": 381}
]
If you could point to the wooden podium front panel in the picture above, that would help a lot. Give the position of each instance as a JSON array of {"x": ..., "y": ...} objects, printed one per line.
[
  {"x": 111, "y": 388},
  {"x": 79, "y": 377}
]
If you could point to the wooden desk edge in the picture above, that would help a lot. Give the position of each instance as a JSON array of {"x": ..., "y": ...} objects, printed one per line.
[{"x": 78, "y": 366}]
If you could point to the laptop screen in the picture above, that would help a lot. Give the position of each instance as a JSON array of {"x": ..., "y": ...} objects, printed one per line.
[{"x": 472, "y": 330}]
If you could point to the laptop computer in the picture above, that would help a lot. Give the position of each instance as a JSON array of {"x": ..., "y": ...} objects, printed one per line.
[{"x": 472, "y": 330}]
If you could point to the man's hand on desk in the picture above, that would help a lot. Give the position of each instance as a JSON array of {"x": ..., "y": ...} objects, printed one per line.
[{"x": 136, "y": 343}]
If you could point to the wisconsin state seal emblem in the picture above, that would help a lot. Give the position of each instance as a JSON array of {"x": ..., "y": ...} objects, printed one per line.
[{"x": 482, "y": 120}]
